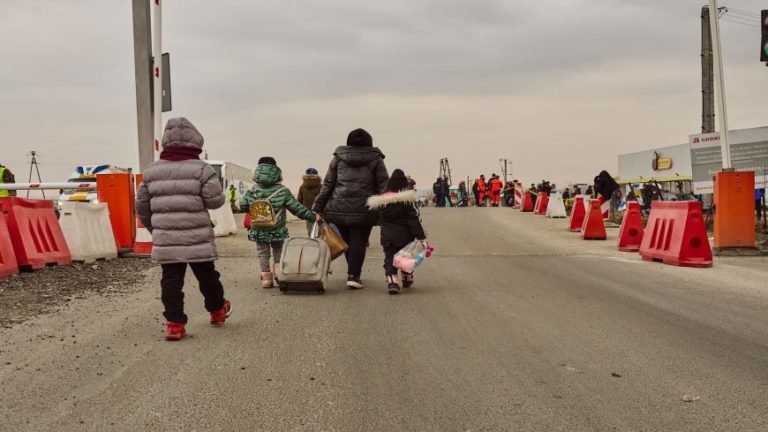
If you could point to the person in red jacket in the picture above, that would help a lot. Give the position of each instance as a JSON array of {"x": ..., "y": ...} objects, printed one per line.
[
  {"x": 482, "y": 191},
  {"x": 494, "y": 188}
]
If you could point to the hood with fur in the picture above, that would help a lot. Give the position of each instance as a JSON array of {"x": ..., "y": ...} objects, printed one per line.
[{"x": 379, "y": 201}]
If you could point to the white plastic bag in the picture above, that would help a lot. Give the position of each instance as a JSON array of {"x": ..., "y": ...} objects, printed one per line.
[{"x": 409, "y": 257}]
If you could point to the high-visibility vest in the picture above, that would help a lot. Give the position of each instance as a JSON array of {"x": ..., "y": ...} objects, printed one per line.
[
  {"x": 232, "y": 195},
  {"x": 3, "y": 192}
]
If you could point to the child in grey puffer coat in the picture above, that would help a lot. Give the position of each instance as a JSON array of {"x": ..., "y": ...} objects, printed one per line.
[{"x": 173, "y": 202}]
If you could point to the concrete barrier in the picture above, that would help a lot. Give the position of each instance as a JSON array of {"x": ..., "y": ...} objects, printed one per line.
[
  {"x": 88, "y": 231},
  {"x": 223, "y": 220}
]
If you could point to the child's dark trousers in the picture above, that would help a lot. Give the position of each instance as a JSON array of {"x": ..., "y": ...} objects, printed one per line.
[{"x": 172, "y": 285}]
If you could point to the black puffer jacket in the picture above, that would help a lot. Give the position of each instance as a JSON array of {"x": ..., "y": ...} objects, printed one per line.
[
  {"x": 355, "y": 174},
  {"x": 398, "y": 217}
]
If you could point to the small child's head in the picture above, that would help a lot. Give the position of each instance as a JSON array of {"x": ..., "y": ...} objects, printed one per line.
[
  {"x": 397, "y": 181},
  {"x": 267, "y": 160}
]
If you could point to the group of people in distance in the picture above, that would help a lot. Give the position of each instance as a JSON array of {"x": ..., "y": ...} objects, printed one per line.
[
  {"x": 488, "y": 192},
  {"x": 356, "y": 193}
]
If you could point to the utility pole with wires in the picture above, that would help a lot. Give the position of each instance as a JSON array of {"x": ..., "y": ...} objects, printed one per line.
[{"x": 33, "y": 165}]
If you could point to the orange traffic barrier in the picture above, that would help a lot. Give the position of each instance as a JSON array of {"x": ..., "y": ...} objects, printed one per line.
[
  {"x": 735, "y": 209},
  {"x": 577, "y": 214},
  {"x": 541, "y": 204},
  {"x": 35, "y": 233},
  {"x": 631, "y": 231},
  {"x": 117, "y": 191},
  {"x": 8, "y": 264},
  {"x": 594, "y": 226},
  {"x": 676, "y": 235},
  {"x": 527, "y": 202}
]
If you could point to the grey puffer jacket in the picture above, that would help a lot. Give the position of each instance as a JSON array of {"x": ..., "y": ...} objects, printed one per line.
[
  {"x": 355, "y": 174},
  {"x": 174, "y": 199}
]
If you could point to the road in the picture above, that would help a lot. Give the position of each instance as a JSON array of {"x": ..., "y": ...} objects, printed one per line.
[{"x": 515, "y": 325}]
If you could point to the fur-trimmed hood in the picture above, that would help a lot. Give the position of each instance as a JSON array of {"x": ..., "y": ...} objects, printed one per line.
[{"x": 378, "y": 201}]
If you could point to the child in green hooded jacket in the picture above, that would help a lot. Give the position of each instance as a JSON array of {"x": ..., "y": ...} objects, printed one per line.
[{"x": 269, "y": 241}]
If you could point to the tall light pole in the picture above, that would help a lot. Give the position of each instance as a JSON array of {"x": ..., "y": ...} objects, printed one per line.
[{"x": 722, "y": 113}]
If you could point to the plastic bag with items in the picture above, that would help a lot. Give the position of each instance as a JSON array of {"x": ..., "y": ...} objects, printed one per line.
[{"x": 411, "y": 256}]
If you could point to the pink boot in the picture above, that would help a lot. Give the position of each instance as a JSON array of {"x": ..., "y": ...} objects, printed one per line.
[{"x": 267, "y": 280}]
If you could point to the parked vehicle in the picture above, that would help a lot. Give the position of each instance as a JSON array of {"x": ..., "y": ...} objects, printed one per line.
[
  {"x": 233, "y": 174},
  {"x": 86, "y": 174}
]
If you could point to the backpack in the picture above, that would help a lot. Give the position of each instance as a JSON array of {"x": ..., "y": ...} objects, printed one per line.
[{"x": 262, "y": 213}]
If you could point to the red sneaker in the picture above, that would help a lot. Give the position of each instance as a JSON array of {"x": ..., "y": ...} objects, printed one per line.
[
  {"x": 218, "y": 317},
  {"x": 174, "y": 331}
]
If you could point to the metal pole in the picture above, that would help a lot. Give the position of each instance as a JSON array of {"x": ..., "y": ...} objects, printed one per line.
[
  {"x": 157, "y": 88},
  {"x": 720, "y": 84},
  {"x": 50, "y": 186},
  {"x": 142, "y": 59},
  {"x": 707, "y": 83},
  {"x": 31, "y": 164}
]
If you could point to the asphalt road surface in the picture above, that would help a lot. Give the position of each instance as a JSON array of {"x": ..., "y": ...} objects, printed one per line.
[{"x": 515, "y": 325}]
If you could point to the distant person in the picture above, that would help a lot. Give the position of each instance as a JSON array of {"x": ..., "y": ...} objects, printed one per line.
[
  {"x": 6, "y": 177},
  {"x": 437, "y": 189},
  {"x": 576, "y": 191},
  {"x": 494, "y": 190},
  {"x": 631, "y": 196},
  {"x": 357, "y": 172},
  {"x": 446, "y": 190},
  {"x": 411, "y": 184},
  {"x": 311, "y": 183},
  {"x": 463, "y": 196},
  {"x": 173, "y": 203},
  {"x": 566, "y": 193},
  {"x": 759, "y": 193},
  {"x": 590, "y": 192},
  {"x": 482, "y": 190},
  {"x": 400, "y": 225},
  {"x": 268, "y": 191},
  {"x": 232, "y": 196}
]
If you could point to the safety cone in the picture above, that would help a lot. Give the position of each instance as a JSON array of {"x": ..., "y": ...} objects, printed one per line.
[
  {"x": 631, "y": 231},
  {"x": 577, "y": 214},
  {"x": 594, "y": 226},
  {"x": 541, "y": 204},
  {"x": 518, "y": 195},
  {"x": 527, "y": 203},
  {"x": 143, "y": 244},
  {"x": 556, "y": 207}
]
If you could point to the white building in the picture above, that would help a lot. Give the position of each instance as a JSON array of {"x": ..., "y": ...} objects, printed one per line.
[{"x": 662, "y": 164}]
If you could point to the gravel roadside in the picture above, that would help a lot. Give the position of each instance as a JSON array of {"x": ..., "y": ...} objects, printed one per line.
[{"x": 43, "y": 291}]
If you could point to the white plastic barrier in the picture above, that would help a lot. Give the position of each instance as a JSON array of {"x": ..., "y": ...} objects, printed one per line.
[
  {"x": 223, "y": 220},
  {"x": 556, "y": 207},
  {"x": 88, "y": 231}
]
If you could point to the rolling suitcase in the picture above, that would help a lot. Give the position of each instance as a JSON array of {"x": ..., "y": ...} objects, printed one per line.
[{"x": 304, "y": 265}]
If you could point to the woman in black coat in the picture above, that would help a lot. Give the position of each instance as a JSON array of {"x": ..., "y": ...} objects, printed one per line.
[{"x": 357, "y": 171}]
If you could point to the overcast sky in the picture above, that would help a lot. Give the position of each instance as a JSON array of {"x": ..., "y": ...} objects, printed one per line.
[{"x": 560, "y": 87}]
